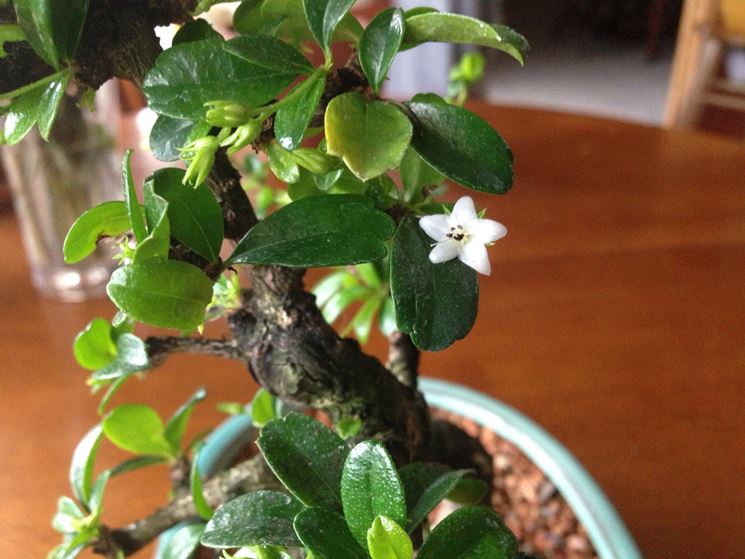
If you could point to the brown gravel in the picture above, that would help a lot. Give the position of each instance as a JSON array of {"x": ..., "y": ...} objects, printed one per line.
[{"x": 527, "y": 500}]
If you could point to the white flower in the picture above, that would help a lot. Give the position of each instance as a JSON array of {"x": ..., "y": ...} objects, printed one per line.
[{"x": 462, "y": 234}]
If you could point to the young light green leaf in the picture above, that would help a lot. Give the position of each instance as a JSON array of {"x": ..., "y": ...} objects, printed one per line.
[
  {"x": 130, "y": 197},
  {"x": 256, "y": 518},
  {"x": 370, "y": 487},
  {"x": 187, "y": 76},
  {"x": 131, "y": 356},
  {"x": 94, "y": 348},
  {"x": 332, "y": 284},
  {"x": 195, "y": 482},
  {"x": 318, "y": 231},
  {"x": 387, "y": 317},
  {"x": 456, "y": 28},
  {"x": 81, "y": 467},
  {"x": 387, "y": 540},
  {"x": 281, "y": 164},
  {"x": 262, "y": 408},
  {"x": 136, "y": 463},
  {"x": 270, "y": 53},
  {"x": 307, "y": 457},
  {"x": 370, "y": 136},
  {"x": 169, "y": 135},
  {"x": 326, "y": 535},
  {"x": 460, "y": 145},
  {"x": 137, "y": 428},
  {"x": 292, "y": 119},
  {"x": 323, "y": 16},
  {"x": 470, "y": 533},
  {"x": 183, "y": 543},
  {"x": 435, "y": 304},
  {"x": 176, "y": 426},
  {"x": 348, "y": 427},
  {"x": 363, "y": 319},
  {"x": 416, "y": 174},
  {"x": 342, "y": 299},
  {"x": 193, "y": 213},
  {"x": 38, "y": 105},
  {"x": 108, "y": 219},
  {"x": 169, "y": 294},
  {"x": 468, "y": 491},
  {"x": 67, "y": 516},
  {"x": 425, "y": 486},
  {"x": 158, "y": 241},
  {"x": 52, "y": 27},
  {"x": 380, "y": 43}
]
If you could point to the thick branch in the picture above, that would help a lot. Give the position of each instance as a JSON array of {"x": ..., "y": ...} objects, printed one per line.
[{"x": 159, "y": 348}]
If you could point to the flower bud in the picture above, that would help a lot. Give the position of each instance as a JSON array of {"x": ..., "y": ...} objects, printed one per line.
[
  {"x": 227, "y": 113},
  {"x": 200, "y": 154},
  {"x": 242, "y": 136},
  {"x": 314, "y": 160}
]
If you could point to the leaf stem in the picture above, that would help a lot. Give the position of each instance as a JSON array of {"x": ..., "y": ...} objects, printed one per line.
[
  {"x": 34, "y": 85},
  {"x": 302, "y": 88}
]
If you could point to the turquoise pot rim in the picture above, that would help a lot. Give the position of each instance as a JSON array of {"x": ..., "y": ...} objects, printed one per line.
[{"x": 605, "y": 528}]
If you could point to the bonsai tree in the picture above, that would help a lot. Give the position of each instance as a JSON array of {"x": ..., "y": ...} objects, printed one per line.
[{"x": 359, "y": 181}]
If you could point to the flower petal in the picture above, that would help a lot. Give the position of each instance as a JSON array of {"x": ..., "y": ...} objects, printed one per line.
[
  {"x": 463, "y": 211},
  {"x": 435, "y": 226},
  {"x": 474, "y": 254},
  {"x": 442, "y": 252},
  {"x": 486, "y": 231}
]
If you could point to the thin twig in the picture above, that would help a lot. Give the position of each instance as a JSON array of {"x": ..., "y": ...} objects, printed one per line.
[
  {"x": 160, "y": 347},
  {"x": 403, "y": 358}
]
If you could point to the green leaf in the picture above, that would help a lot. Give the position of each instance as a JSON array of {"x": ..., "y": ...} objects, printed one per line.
[
  {"x": 342, "y": 299},
  {"x": 362, "y": 321},
  {"x": 323, "y": 16},
  {"x": 470, "y": 533},
  {"x": 326, "y": 535},
  {"x": 136, "y": 463},
  {"x": 169, "y": 294},
  {"x": 348, "y": 427},
  {"x": 370, "y": 487},
  {"x": 379, "y": 45},
  {"x": 387, "y": 317},
  {"x": 176, "y": 426},
  {"x": 38, "y": 105},
  {"x": 52, "y": 27},
  {"x": 292, "y": 119},
  {"x": 416, "y": 174},
  {"x": 304, "y": 187},
  {"x": 183, "y": 543},
  {"x": 257, "y": 518},
  {"x": 387, "y": 540},
  {"x": 193, "y": 213},
  {"x": 281, "y": 164},
  {"x": 468, "y": 491},
  {"x": 109, "y": 219},
  {"x": 187, "y": 76},
  {"x": 138, "y": 429},
  {"x": 10, "y": 33},
  {"x": 94, "y": 347},
  {"x": 307, "y": 457},
  {"x": 461, "y": 145},
  {"x": 270, "y": 53},
  {"x": 262, "y": 408},
  {"x": 131, "y": 356},
  {"x": 81, "y": 467},
  {"x": 456, "y": 28},
  {"x": 130, "y": 198},
  {"x": 158, "y": 241},
  {"x": 67, "y": 515},
  {"x": 169, "y": 135},
  {"x": 436, "y": 304},
  {"x": 195, "y": 30},
  {"x": 195, "y": 482},
  {"x": 371, "y": 136},
  {"x": 426, "y": 485},
  {"x": 318, "y": 231},
  {"x": 331, "y": 284}
]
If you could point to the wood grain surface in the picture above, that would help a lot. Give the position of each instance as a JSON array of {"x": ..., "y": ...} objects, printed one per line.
[{"x": 614, "y": 317}]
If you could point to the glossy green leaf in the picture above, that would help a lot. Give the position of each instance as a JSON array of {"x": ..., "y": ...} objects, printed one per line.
[
  {"x": 138, "y": 429},
  {"x": 169, "y": 135},
  {"x": 157, "y": 243},
  {"x": 435, "y": 304},
  {"x": 182, "y": 543},
  {"x": 131, "y": 356},
  {"x": 269, "y": 52},
  {"x": 194, "y": 215},
  {"x": 262, "y": 408},
  {"x": 292, "y": 119},
  {"x": 416, "y": 174},
  {"x": 108, "y": 219},
  {"x": 323, "y": 16},
  {"x": 201, "y": 505},
  {"x": 170, "y": 294},
  {"x": 425, "y": 486},
  {"x": 318, "y": 231},
  {"x": 52, "y": 27},
  {"x": 470, "y": 533},
  {"x": 307, "y": 457},
  {"x": 456, "y": 28},
  {"x": 176, "y": 426},
  {"x": 196, "y": 30},
  {"x": 461, "y": 145},
  {"x": 39, "y": 105},
  {"x": 380, "y": 43},
  {"x": 326, "y": 535},
  {"x": 83, "y": 461},
  {"x": 94, "y": 348},
  {"x": 281, "y": 164},
  {"x": 370, "y": 487},
  {"x": 387, "y": 540},
  {"x": 130, "y": 198},
  {"x": 187, "y": 76},
  {"x": 257, "y": 518},
  {"x": 370, "y": 136},
  {"x": 305, "y": 186}
]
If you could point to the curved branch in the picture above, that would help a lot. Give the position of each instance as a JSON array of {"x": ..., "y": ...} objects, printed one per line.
[{"x": 160, "y": 347}]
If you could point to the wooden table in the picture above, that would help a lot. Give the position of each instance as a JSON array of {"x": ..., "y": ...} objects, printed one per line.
[{"x": 614, "y": 317}]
